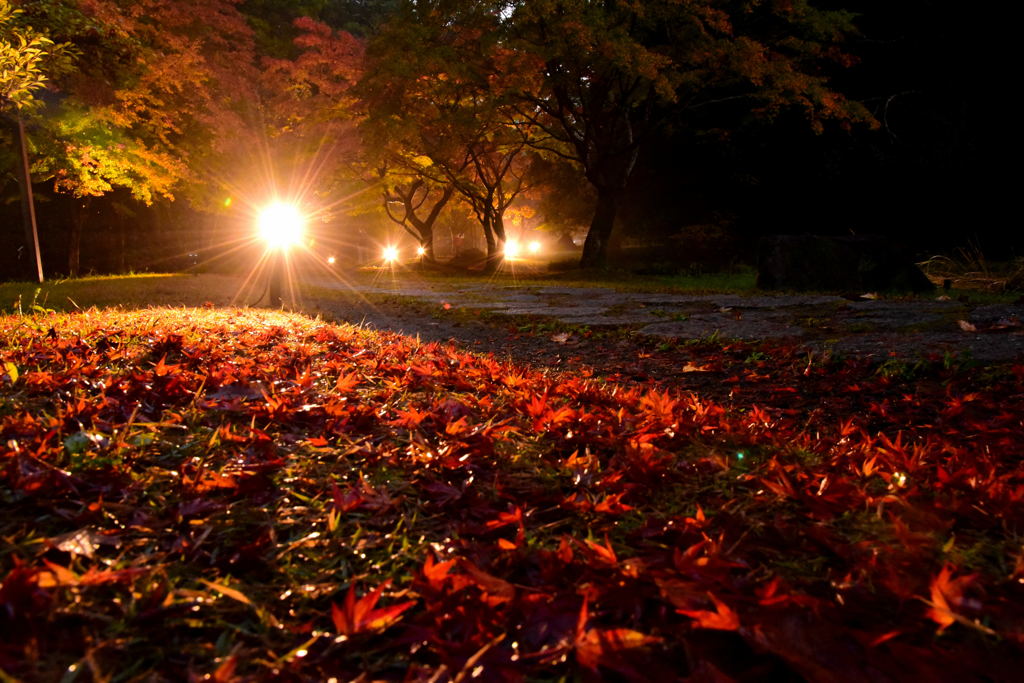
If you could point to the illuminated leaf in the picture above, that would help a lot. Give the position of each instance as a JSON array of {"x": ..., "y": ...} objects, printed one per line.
[
  {"x": 722, "y": 618},
  {"x": 358, "y": 615}
]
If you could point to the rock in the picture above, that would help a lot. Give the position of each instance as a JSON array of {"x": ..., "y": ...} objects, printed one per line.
[{"x": 819, "y": 262}]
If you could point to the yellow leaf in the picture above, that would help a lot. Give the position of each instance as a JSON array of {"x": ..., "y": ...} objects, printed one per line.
[{"x": 228, "y": 591}]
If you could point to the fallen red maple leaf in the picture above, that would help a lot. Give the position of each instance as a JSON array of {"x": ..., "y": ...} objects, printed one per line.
[
  {"x": 947, "y": 593},
  {"x": 436, "y": 572},
  {"x": 358, "y": 615},
  {"x": 345, "y": 501},
  {"x": 20, "y": 592},
  {"x": 723, "y": 618},
  {"x": 495, "y": 590},
  {"x": 622, "y": 650},
  {"x": 605, "y": 552}
]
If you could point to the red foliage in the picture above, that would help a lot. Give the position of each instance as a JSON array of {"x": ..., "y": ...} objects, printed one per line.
[{"x": 529, "y": 524}]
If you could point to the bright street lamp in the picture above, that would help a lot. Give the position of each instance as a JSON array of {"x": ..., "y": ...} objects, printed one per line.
[
  {"x": 281, "y": 226},
  {"x": 512, "y": 248}
]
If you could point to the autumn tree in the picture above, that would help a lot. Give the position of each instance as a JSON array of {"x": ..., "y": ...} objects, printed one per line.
[
  {"x": 308, "y": 141},
  {"x": 481, "y": 149},
  {"x": 153, "y": 101},
  {"x": 415, "y": 205},
  {"x": 608, "y": 67},
  {"x": 273, "y": 20},
  {"x": 438, "y": 107},
  {"x": 23, "y": 52},
  {"x": 23, "y": 56}
]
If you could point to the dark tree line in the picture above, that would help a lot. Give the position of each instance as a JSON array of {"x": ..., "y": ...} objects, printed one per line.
[{"x": 709, "y": 122}]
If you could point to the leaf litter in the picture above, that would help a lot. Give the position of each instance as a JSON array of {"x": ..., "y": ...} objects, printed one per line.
[{"x": 246, "y": 495}]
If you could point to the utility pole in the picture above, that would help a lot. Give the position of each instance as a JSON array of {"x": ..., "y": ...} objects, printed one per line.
[{"x": 28, "y": 204}]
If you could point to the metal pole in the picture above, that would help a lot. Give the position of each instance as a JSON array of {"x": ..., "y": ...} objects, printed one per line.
[{"x": 28, "y": 203}]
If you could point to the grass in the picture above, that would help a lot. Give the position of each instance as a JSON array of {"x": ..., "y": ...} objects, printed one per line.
[
  {"x": 132, "y": 291},
  {"x": 129, "y": 291},
  {"x": 124, "y": 291}
]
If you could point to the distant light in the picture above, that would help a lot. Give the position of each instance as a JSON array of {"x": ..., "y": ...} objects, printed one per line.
[
  {"x": 227, "y": 202},
  {"x": 534, "y": 247},
  {"x": 281, "y": 225},
  {"x": 390, "y": 254},
  {"x": 512, "y": 249},
  {"x": 331, "y": 260},
  {"x": 421, "y": 250}
]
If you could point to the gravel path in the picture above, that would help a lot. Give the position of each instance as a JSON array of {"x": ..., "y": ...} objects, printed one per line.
[{"x": 878, "y": 328}]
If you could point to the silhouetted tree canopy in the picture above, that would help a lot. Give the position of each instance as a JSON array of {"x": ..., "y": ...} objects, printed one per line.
[{"x": 753, "y": 117}]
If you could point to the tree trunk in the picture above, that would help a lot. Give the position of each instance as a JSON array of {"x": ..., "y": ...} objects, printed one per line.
[
  {"x": 499, "y": 224},
  {"x": 595, "y": 248},
  {"x": 493, "y": 253},
  {"x": 428, "y": 248},
  {"x": 428, "y": 222},
  {"x": 122, "y": 235},
  {"x": 425, "y": 234}
]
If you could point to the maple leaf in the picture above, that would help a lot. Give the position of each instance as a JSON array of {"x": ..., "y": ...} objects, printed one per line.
[
  {"x": 225, "y": 673},
  {"x": 621, "y": 650},
  {"x": 410, "y": 419},
  {"x": 359, "y": 615},
  {"x": 62, "y": 576},
  {"x": 506, "y": 518},
  {"x": 21, "y": 593},
  {"x": 436, "y": 573},
  {"x": 457, "y": 427},
  {"x": 947, "y": 593},
  {"x": 347, "y": 383},
  {"x": 613, "y": 504},
  {"x": 659, "y": 405},
  {"x": 345, "y": 501},
  {"x": 605, "y": 553},
  {"x": 537, "y": 405},
  {"x": 723, "y": 618},
  {"x": 361, "y": 495},
  {"x": 161, "y": 369},
  {"x": 495, "y": 590},
  {"x": 564, "y": 552}
]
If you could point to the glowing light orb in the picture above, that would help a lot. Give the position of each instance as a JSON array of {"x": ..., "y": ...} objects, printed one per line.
[
  {"x": 512, "y": 249},
  {"x": 331, "y": 260},
  {"x": 534, "y": 247},
  {"x": 421, "y": 250},
  {"x": 390, "y": 254},
  {"x": 281, "y": 225}
]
